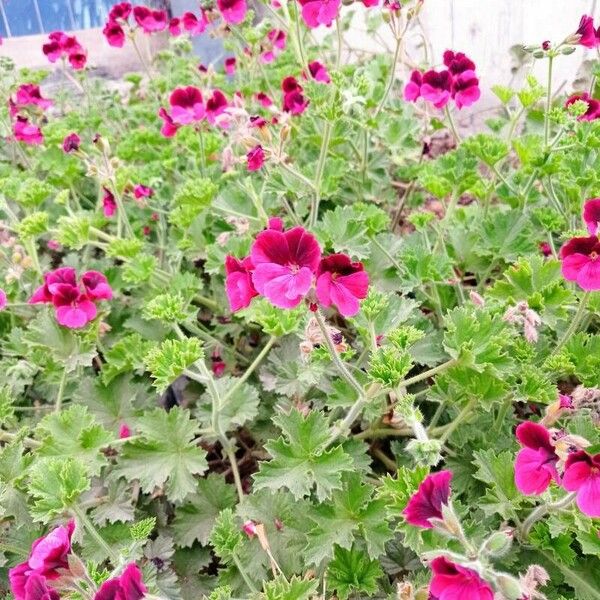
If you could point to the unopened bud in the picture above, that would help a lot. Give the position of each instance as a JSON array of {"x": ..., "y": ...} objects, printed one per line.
[
  {"x": 538, "y": 54},
  {"x": 477, "y": 299},
  {"x": 498, "y": 544},
  {"x": 568, "y": 50},
  {"x": 573, "y": 39},
  {"x": 508, "y": 586},
  {"x": 76, "y": 566},
  {"x": 284, "y": 133},
  {"x": 249, "y": 528}
]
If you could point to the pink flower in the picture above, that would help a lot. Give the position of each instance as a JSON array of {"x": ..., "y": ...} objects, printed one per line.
[
  {"x": 3, "y": 299},
  {"x": 342, "y": 282},
  {"x": 263, "y": 99},
  {"x": 48, "y": 554},
  {"x": 458, "y": 62},
  {"x": 44, "y": 293},
  {"x": 109, "y": 205},
  {"x": 580, "y": 262},
  {"x": 238, "y": 282},
  {"x": 294, "y": 101},
  {"x": 319, "y": 12},
  {"x": 169, "y": 127},
  {"x": 192, "y": 24},
  {"x": 124, "y": 431},
  {"x": 256, "y": 158},
  {"x": 151, "y": 21},
  {"x": 412, "y": 90},
  {"x": 78, "y": 59},
  {"x": 187, "y": 105},
  {"x": 120, "y": 11},
  {"x": 232, "y": 11},
  {"x": 535, "y": 465},
  {"x": 370, "y": 3},
  {"x": 284, "y": 265},
  {"x": 276, "y": 42},
  {"x": 590, "y": 37},
  {"x": 427, "y": 502},
  {"x": 30, "y": 94},
  {"x": 319, "y": 72},
  {"x": 230, "y": 63},
  {"x": 142, "y": 191},
  {"x": 61, "y": 45},
  {"x": 275, "y": 223},
  {"x": 114, "y": 34},
  {"x": 72, "y": 308},
  {"x": 249, "y": 528},
  {"x": 593, "y": 106},
  {"x": 175, "y": 26},
  {"x": 591, "y": 215},
  {"x": 36, "y": 588},
  {"x": 216, "y": 107},
  {"x": 256, "y": 121},
  {"x": 71, "y": 143},
  {"x": 27, "y": 132},
  {"x": 454, "y": 582},
  {"x": 129, "y": 586},
  {"x": 582, "y": 475},
  {"x": 437, "y": 87},
  {"x": 96, "y": 286},
  {"x": 465, "y": 89}
]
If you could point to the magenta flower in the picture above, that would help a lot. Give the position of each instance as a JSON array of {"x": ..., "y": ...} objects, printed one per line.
[
  {"x": 255, "y": 158},
  {"x": 342, "y": 283},
  {"x": 169, "y": 127},
  {"x": 124, "y": 431},
  {"x": 591, "y": 215},
  {"x": 454, "y": 582},
  {"x": 30, "y": 94},
  {"x": 142, "y": 191},
  {"x": 3, "y": 299},
  {"x": 238, "y": 282},
  {"x": 427, "y": 502},
  {"x": 590, "y": 37},
  {"x": 232, "y": 11},
  {"x": 71, "y": 143},
  {"x": 535, "y": 465},
  {"x": 230, "y": 64},
  {"x": 458, "y": 62},
  {"x": 114, "y": 34},
  {"x": 44, "y": 293},
  {"x": 72, "y": 308},
  {"x": 593, "y": 106},
  {"x": 580, "y": 262},
  {"x": 276, "y": 42},
  {"x": 128, "y": 586},
  {"x": 187, "y": 105},
  {"x": 175, "y": 27},
  {"x": 263, "y": 99},
  {"x": 465, "y": 89},
  {"x": 192, "y": 24},
  {"x": 151, "y": 21},
  {"x": 582, "y": 475},
  {"x": 109, "y": 205},
  {"x": 216, "y": 105},
  {"x": 61, "y": 45},
  {"x": 319, "y": 12},
  {"x": 294, "y": 101},
  {"x": 122, "y": 10},
  {"x": 284, "y": 265},
  {"x": 319, "y": 72},
  {"x": 96, "y": 286},
  {"x": 37, "y": 588},
  {"x": 48, "y": 554},
  {"x": 412, "y": 90},
  {"x": 437, "y": 87},
  {"x": 27, "y": 132},
  {"x": 370, "y": 3}
]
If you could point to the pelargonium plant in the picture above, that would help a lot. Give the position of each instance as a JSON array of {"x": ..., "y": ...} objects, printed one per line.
[{"x": 283, "y": 328}]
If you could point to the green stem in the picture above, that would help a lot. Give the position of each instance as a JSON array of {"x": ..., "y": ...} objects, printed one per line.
[
  {"x": 32, "y": 251},
  {"x": 202, "y": 152},
  {"x": 243, "y": 573},
  {"x": 455, "y": 133},
  {"x": 6, "y": 436},
  {"x": 94, "y": 533},
  {"x": 391, "y": 77},
  {"x": 542, "y": 510},
  {"x": 574, "y": 325},
  {"x": 548, "y": 102},
  {"x": 237, "y": 480},
  {"x": 385, "y": 251},
  {"x": 314, "y": 210},
  {"x": 340, "y": 43},
  {"x": 502, "y": 413},
  {"x": 61, "y": 391},
  {"x": 429, "y": 373},
  {"x": 299, "y": 40},
  {"x": 462, "y": 415}
]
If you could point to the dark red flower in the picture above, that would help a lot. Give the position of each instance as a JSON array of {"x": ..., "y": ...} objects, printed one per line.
[
  {"x": 412, "y": 90},
  {"x": 109, "y": 204},
  {"x": 192, "y": 24},
  {"x": 233, "y": 11},
  {"x": 319, "y": 72},
  {"x": 122, "y": 10},
  {"x": 151, "y": 21},
  {"x": 30, "y": 94},
  {"x": 229, "y": 65},
  {"x": 238, "y": 282},
  {"x": 27, "y": 132},
  {"x": 454, "y": 582},
  {"x": 590, "y": 37},
  {"x": 580, "y": 262},
  {"x": 465, "y": 89},
  {"x": 187, "y": 105},
  {"x": 458, "y": 62},
  {"x": 294, "y": 101},
  {"x": 128, "y": 586},
  {"x": 114, "y": 34},
  {"x": 591, "y": 215},
  {"x": 71, "y": 143},
  {"x": 255, "y": 158},
  {"x": 427, "y": 502},
  {"x": 96, "y": 285},
  {"x": 437, "y": 87},
  {"x": 216, "y": 106},
  {"x": 169, "y": 127},
  {"x": 593, "y": 106}
]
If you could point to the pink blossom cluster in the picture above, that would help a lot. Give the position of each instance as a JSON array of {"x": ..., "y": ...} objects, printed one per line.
[
  {"x": 593, "y": 106},
  {"x": 61, "y": 46},
  {"x": 27, "y": 97},
  {"x": 537, "y": 466},
  {"x": 74, "y": 301},
  {"x": 580, "y": 255},
  {"x": 286, "y": 267},
  {"x": 458, "y": 82}
]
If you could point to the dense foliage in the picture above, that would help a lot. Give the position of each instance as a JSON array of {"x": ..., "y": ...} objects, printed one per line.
[{"x": 278, "y": 330}]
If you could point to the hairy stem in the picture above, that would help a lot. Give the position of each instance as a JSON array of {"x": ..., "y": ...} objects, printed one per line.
[
  {"x": 575, "y": 323},
  {"x": 542, "y": 510}
]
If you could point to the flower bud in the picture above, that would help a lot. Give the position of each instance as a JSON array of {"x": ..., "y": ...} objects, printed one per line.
[
  {"x": 76, "y": 566},
  {"x": 509, "y": 587},
  {"x": 538, "y": 54},
  {"x": 568, "y": 50},
  {"x": 573, "y": 39},
  {"x": 498, "y": 544},
  {"x": 426, "y": 452}
]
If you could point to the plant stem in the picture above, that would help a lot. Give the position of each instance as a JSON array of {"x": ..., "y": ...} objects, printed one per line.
[
  {"x": 314, "y": 209},
  {"x": 391, "y": 77},
  {"x": 429, "y": 373},
  {"x": 542, "y": 510},
  {"x": 94, "y": 533},
  {"x": 61, "y": 391},
  {"x": 548, "y": 102},
  {"x": 6, "y": 436},
  {"x": 459, "y": 419},
  {"x": 574, "y": 323},
  {"x": 340, "y": 43},
  {"x": 202, "y": 152},
  {"x": 243, "y": 573},
  {"x": 455, "y": 133},
  {"x": 230, "y": 453},
  {"x": 32, "y": 251},
  {"x": 259, "y": 358}
]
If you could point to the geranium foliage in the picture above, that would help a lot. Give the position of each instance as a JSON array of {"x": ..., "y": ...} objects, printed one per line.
[{"x": 277, "y": 328}]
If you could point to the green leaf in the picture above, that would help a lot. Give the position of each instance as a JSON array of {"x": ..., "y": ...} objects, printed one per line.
[
  {"x": 166, "y": 454},
  {"x": 195, "y": 519},
  {"x": 299, "y": 461},
  {"x": 293, "y": 589},
  {"x": 226, "y": 536},
  {"x": 168, "y": 361},
  {"x": 124, "y": 356},
  {"x": 352, "y": 571}
]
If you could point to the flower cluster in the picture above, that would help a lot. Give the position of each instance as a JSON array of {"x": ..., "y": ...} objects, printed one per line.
[
  {"x": 273, "y": 45},
  {"x": 319, "y": 12},
  {"x": 294, "y": 101},
  {"x": 74, "y": 301},
  {"x": 61, "y": 46},
  {"x": 286, "y": 266},
  {"x": 537, "y": 466},
  {"x": 27, "y": 97},
  {"x": 458, "y": 81}
]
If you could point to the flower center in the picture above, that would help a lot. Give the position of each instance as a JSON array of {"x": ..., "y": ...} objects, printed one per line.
[{"x": 593, "y": 255}]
